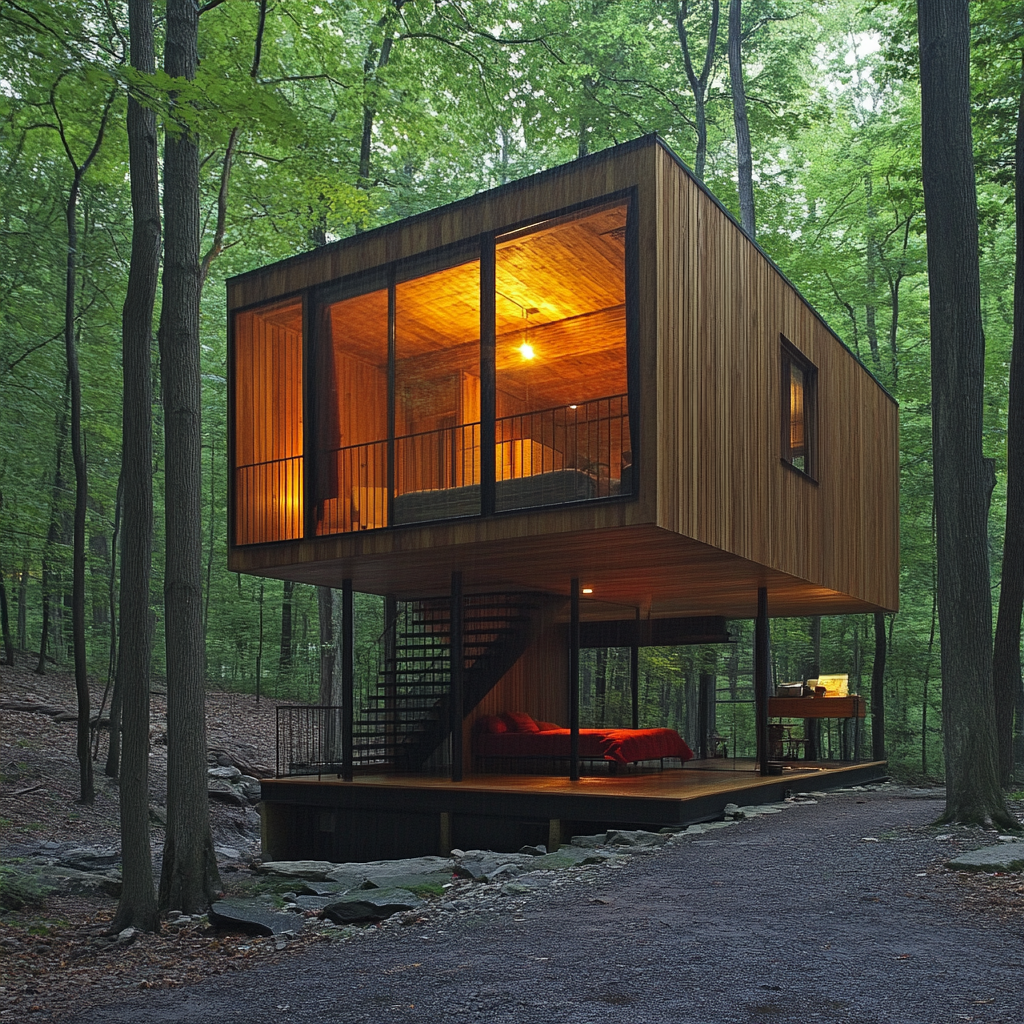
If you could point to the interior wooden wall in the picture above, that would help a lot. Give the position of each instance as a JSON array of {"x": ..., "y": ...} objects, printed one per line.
[
  {"x": 723, "y": 310},
  {"x": 538, "y": 683},
  {"x": 268, "y": 424}
]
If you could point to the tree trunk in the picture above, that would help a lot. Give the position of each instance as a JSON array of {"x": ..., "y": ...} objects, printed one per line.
[
  {"x": 86, "y": 793},
  {"x": 699, "y": 83},
  {"x": 137, "y": 906},
  {"x": 878, "y": 690},
  {"x": 1006, "y": 672},
  {"x": 23, "y": 606},
  {"x": 114, "y": 732},
  {"x": 871, "y": 273},
  {"x": 5, "y": 625},
  {"x": 325, "y": 607},
  {"x": 600, "y": 685},
  {"x": 744, "y": 159},
  {"x": 53, "y": 530},
  {"x": 372, "y": 64},
  {"x": 285, "y": 658},
  {"x": 924, "y": 692},
  {"x": 189, "y": 879},
  {"x": 960, "y": 474}
]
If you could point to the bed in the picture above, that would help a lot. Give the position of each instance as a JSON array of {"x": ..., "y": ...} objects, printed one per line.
[
  {"x": 553, "y": 488},
  {"x": 515, "y": 737}
]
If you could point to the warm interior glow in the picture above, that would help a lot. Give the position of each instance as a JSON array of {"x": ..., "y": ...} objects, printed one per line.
[
  {"x": 835, "y": 685},
  {"x": 268, "y": 423},
  {"x": 796, "y": 411},
  {"x": 526, "y": 350}
]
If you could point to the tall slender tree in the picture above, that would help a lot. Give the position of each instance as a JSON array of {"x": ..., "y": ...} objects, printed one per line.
[
  {"x": 744, "y": 157},
  {"x": 1006, "y": 673},
  {"x": 79, "y": 170},
  {"x": 137, "y": 906},
  {"x": 189, "y": 878},
  {"x": 699, "y": 80},
  {"x": 961, "y": 475}
]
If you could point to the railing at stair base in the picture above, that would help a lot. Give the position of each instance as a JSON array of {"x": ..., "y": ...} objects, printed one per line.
[{"x": 308, "y": 741}]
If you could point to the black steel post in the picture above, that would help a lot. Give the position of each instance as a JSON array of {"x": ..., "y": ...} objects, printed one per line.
[
  {"x": 347, "y": 679},
  {"x": 634, "y": 673},
  {"x": 457, "y": 656},
  {"x": 390, "y": 725},
  {"x": 488, "y": 399},
  {"x": 392, "y": 357},
  {"x": 762, "y": 678},
  {"x": 574, "y": 680}
]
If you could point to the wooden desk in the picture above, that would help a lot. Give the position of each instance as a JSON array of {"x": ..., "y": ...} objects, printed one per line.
[
  {"x": 817, "y": 707},
  {"x": 846, "y": 708}
]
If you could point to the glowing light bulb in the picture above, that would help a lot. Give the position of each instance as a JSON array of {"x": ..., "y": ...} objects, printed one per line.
[
  {"x": 588, "y": 590},
  {"x": 526, "y": 350}
]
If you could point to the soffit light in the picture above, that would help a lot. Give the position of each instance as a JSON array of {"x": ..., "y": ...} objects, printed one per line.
[
  {"x": 526, "y": 350},
  {"x": 588, "y": 590}
]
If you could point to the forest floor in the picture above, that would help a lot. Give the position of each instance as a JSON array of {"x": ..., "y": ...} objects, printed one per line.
[{"x": 56, "y": 959}]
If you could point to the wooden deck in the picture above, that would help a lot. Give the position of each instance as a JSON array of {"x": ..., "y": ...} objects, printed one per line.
[{"x": 380, "y": 816}]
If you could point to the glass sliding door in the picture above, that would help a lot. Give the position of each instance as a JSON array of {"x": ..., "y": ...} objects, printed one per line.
[
  {"x": 352, "y": 414},
  {"x": 561, "y": 403},
  {"x": 437, "y": 393},
  {"x": 268, "y": 439}
]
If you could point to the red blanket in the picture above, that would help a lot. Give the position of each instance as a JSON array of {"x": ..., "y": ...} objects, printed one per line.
[{"x": 621, "y": 745}]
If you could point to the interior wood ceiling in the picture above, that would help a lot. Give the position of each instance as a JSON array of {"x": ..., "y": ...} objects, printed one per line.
[{"x": 561, "y": 288}]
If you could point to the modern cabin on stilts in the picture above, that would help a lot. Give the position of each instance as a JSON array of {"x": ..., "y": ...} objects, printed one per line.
[{"x": 580, "y": 410}]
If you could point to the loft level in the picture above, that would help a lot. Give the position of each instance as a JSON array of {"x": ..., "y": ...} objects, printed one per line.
[{"x": 471, "y": 380}]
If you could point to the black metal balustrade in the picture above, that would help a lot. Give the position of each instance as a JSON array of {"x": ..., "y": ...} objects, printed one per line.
[
  {"x": 308, "y": 741},
  {"x": 268, "y": 500},
  {"x": 401, "y": 719},
  {"x": 567, "y": 453}
]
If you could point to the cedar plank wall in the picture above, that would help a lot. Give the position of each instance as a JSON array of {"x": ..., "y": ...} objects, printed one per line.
[
  {"x": 538, "y": 683},
  {"x": 721, "y": 480},
  {"x": 591, "y": 179}
]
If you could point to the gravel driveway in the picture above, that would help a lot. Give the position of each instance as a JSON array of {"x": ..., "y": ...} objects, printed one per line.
[{"x": 785, "y": 918}]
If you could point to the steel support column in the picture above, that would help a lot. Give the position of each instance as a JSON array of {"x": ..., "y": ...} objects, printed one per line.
[
  {"x": 457, "y": 656},
  {"x": 347, "y": 679},
  {"x": 574, "y": 680},
  {"x": 762, "y": 678}
]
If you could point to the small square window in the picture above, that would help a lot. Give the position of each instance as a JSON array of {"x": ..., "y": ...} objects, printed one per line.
[{"x": 799, "y": 411}]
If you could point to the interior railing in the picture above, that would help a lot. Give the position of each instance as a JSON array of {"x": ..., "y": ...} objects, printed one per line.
[
  {"x": 552, "y": 456},
  {"x": 268, "y": 501}
]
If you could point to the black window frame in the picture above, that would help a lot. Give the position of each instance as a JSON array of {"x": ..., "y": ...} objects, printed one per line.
[{"x": 791, "y": 356}]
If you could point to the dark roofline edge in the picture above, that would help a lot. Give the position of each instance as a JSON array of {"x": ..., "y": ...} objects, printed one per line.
[{"x": 653, "y": 138}]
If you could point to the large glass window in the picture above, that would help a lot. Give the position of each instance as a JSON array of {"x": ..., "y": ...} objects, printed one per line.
[
  {"x": 437, "y": 394},
  {"x": 562, "y": 423},
  {"x": 400, "y": 390},
  {"x": 268, "y": 423},
  {"x": 352, "y": 414}
]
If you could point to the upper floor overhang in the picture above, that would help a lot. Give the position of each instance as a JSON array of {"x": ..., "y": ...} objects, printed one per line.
[{"x": 590, "y": 373}]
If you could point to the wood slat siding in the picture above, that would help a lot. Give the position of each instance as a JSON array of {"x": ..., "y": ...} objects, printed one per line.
[{"x": 723, "y": 310}]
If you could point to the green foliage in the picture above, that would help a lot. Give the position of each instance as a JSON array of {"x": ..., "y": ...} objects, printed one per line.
[{"x": 471, "y": 96}]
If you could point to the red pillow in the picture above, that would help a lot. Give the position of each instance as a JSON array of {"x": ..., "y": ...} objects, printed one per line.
[
  {"x": 492, "y": 724},
  {"x": 519, "y": 721},
  {"x": 547, "y": 726}
]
